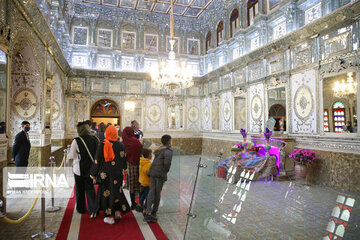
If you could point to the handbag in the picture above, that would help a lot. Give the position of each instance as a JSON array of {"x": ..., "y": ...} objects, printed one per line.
[{"x": 97, "y": 177}]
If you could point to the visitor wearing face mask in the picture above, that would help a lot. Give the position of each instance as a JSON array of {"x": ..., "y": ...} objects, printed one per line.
[{"x": 21, "y": 147}]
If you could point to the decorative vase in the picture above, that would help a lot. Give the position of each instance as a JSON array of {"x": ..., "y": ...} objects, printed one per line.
[
  {"x": 267, "y": 148},
  {"x": 300, "y": 171}
]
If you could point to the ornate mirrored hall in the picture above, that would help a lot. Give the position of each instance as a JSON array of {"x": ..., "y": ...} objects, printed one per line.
[{"x": 179, "y": 119}]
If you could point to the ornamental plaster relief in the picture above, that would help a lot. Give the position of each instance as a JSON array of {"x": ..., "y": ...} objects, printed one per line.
[
  {"x": 256, "y": 103},
  {"x": 303, "y": 102},
  {"x": 193, "y": 115},
  {"x": 155, "y": 114},
  {"x": 226, "y": 111},
  {"x": 206, "y": 114}
]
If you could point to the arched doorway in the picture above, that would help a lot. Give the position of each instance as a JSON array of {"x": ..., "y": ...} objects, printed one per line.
[
  {"x": 278, "y": 111},
  {"x": 106, "y": 111}
]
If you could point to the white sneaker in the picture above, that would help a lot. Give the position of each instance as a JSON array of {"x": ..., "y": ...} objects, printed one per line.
[{"x": 109, "y": 220}]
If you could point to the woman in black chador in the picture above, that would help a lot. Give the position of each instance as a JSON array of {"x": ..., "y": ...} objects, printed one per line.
[{"x": 108, "y": 166}]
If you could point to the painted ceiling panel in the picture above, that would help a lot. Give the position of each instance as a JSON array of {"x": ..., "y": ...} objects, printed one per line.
[
  {"x": 128, "y": 3},
  {"x": 161, "y": 7},
  {"x": 111, "y": 2},
  {"x": 187, "y": 8}
]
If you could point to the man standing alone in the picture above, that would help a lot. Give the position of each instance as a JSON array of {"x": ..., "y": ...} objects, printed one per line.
[
  {"x": 158, "y": 176},
  {"x": 21, "y": 147}
]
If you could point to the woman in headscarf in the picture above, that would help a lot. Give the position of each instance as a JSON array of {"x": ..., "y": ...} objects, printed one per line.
[
  {"x": 82, "y": 152},
  {"x": 101, "y": 132},
  {"x": 133, "y": 149},
  {"x": 109, "y": 164}
]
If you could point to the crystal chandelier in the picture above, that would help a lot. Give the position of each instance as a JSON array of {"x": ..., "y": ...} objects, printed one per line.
[
  {"x": 169, "y": 74},
  {"x": 345, "y": 89}
]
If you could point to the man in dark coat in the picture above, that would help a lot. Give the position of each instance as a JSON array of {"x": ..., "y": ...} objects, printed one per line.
[
  {"x": 158, "y": 176},
  {"x": 21, "y": 147}
]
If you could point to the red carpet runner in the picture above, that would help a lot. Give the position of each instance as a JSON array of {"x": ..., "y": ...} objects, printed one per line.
[{"x": 126, "y": 228}]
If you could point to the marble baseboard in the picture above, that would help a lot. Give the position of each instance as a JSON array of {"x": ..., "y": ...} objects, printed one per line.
[
  {"x": 336, "y": 170},
  {"x": 211, "y": 147},
  {"x": 187, "y": 146},
  {"x": 39, "y": 156},
  {"x": 57, "y": 142}
]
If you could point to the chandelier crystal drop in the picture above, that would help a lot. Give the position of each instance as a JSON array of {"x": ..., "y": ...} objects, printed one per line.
[
  {"x": 169, "y": 74},
  {"x": 345, "y": 88}
]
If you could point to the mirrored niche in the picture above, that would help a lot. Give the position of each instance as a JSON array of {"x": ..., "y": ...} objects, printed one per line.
[
  {"x": 277, "y": 107},
  {"x": 175, "y": 115},
  {"x": 3, "y": 82},
  {"x": 340, "y": 103},
  {"x": 240, "y": 112}
]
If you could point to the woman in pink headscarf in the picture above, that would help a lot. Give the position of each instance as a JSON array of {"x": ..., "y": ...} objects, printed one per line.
[{"x": 133, "y": 149}]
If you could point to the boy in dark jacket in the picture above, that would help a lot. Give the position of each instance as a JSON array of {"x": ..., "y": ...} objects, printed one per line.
[{"x": 158, "y": 176}]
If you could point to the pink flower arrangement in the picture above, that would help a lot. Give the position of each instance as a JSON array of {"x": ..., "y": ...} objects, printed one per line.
[{"x": 302, "y": 156}]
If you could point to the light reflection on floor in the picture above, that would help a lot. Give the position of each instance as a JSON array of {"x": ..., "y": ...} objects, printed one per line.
[{"x": 252, "y": 209}]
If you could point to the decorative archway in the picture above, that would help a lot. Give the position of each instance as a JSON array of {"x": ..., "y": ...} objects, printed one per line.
[
  {"x": 106, "y": 111},
  {"x": 277, "y": 111}
]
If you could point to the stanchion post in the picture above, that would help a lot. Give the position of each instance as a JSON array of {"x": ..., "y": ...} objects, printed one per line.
[
  {"x": 67, "y": 155},
  {"x": 42, "y": 234},
  {"x": 52, "y": 208}
]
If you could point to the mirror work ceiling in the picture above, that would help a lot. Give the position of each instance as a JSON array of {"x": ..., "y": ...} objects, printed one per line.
[{"x": 187, "y": 8}]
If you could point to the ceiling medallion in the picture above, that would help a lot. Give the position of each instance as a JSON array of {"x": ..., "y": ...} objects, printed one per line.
[{"x": 169, "y": 75}]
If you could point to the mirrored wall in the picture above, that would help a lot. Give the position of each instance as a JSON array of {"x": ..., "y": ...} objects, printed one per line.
[
  {"x": 340, "y": 103},
  {"x": 277, "y": 107},
  {"x": 3, "y": 74}
]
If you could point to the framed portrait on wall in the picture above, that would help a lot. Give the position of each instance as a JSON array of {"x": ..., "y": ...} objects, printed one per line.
[
  {"x": 151, "y": 42},
  {"x": 193, "y": 46},
  {"x": 128, "y": 40},
  {"x": 272, "y": 4}
]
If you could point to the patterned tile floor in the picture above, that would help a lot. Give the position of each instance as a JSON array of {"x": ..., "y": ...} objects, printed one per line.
[{"x": 269, "y": 210}]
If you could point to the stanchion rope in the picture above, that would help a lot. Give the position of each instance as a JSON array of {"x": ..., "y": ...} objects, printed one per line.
[{"x": 21, "y": 219}]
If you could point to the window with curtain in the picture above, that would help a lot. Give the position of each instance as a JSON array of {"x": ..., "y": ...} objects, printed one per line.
[
  {"x": 208, "y": 41},
  {"x": 220, "y": 33},
  {"x": 252, "y": 11},
  {"x": 234, "y": 22}
]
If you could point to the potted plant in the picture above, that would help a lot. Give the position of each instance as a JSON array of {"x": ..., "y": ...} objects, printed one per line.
[{"x": 302, "y": 157}]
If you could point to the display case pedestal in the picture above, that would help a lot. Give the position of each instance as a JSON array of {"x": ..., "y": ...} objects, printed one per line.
[{"x": 281, "y": 147}]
